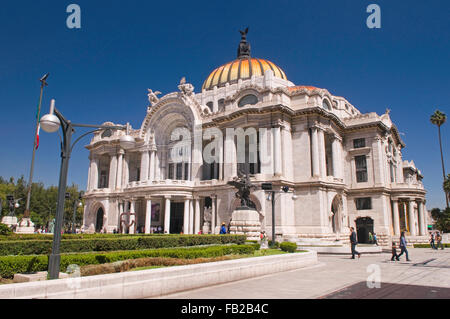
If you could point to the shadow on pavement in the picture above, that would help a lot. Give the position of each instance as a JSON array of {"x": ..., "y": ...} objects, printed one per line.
[{"x": 389, "y": 291}]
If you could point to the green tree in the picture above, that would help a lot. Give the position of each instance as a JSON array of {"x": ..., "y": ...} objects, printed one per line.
[
  {"x": 441, "y": 219},
  {"x": 438, "y": 118},
  {"x": 447, "y": 185},
  {"x": 42, "y": 202}
]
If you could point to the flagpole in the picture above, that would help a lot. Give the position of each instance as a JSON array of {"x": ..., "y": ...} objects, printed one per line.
[{"x": 26, "y": 214}]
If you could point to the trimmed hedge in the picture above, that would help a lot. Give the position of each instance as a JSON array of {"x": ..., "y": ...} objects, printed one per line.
[
  {"x": 15, "y": 237},
  {"x": 10, "y": 265},
  {"x": 288, "y": 246},
  {"x": 447, "y": 245},
  {"x": 42, "y": 247}
]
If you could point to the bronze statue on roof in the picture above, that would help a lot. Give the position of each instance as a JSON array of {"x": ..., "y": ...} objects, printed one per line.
[{"x": 244, "y": 46}]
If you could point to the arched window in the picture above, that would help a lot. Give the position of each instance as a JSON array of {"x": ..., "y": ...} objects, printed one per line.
[
  {"x": 210, "y": 106},
  {"x": 221, "y": 104},
  {"x": 99, "y": 220},
  {"x": 248, "y": 99},
  {"x": 326, "y": 105}
]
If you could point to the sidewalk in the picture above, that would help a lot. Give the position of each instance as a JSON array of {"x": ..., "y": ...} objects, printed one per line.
[{"x": 338, "y": 276}]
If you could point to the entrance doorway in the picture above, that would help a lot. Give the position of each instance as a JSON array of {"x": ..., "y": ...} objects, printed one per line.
[
  {"x": 99, "y": 220},
  {"x": 364, "y": 225},
  {"x": 176, "y": 217},
  {"x": 336, "y": 211}
]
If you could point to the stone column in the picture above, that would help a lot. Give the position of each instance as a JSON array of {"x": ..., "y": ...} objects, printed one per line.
[
  {"x": 119, "y": 169},
  {"x": 144, "y": 166},
  {"x": 378, "y": 168},
  {"x": 167, "y": 216},
  {"x": 278, "y": 168},
  {"x": 230, "y": 169},
  {"x": 112, "y": 172},
  {"x": 197, "y": 216},
  {"x": 158, "y": 173},
  {"x": 213, "y": 214},
  {"x": 186, "y": 217},
  {"x": 152, "y": 165},
  {"x": 94, "y": 177},
  {"x": 315, "y": 152},
  {"x": 191, "y": 216},
  {"x": 132, "y": 217},
  {"x": 197, "y": 154},
  {"x": 266, "y": 151},
  {"x": 126, "y": 170},
  {"x": 412, "y": 219},
  {"x": 148, "y": 215},
  {"x": 221, "y": 158},
  {"x": 89, "y": 174},
  {"x": 335, "y": 156},
  {"x": 322, "y": 153},
  {"x": 396, "y": 217},
  {"x": 120, "y": 213},
  {"x": 420, "y": 213}
]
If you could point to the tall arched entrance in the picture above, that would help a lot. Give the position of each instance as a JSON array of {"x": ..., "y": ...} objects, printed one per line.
[
  {"x": 99, "y": 220},
  {"x": 336, "y": 213},
  {"x": 364, "y": 225}
]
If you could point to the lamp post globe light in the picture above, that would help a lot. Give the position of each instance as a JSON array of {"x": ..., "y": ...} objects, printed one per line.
[{"x": 50, "y": 123}]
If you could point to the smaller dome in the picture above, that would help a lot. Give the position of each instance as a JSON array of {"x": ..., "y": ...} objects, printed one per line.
[{"x": 243, "y": 68}]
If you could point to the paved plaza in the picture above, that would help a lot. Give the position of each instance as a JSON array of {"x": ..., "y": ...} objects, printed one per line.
[{"x": 338, "y": 276}]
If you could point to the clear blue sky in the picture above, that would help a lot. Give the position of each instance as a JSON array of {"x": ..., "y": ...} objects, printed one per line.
[{"x": 102, "y": 72}]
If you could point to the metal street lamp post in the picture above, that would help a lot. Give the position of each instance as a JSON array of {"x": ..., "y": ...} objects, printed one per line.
[
  {"x": 51, "y": 123},
  {"x": 76, "y": 203},
  {"x": 268, "y": 188}
]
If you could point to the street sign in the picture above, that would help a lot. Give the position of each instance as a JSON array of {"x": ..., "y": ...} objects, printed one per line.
[{"x": 266, "y": 186}]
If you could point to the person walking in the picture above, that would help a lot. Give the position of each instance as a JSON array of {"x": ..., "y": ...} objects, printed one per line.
[
  {"x": 394, "y": 252},
  {"x": 403, "y": 246},
  {"x": 370, "y": 238},
  {"x": 439, "y": 241},
  {"x": 354, "y": 242},
  {"x": 433, "y": 246},
  {"x": 375, "y": 239}
]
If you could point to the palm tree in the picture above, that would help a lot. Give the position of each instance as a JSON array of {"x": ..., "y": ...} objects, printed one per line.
[{"x": 438, "y": 118}]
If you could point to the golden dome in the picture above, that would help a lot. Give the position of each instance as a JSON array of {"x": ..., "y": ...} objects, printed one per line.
[{"x": 241, "y": 69}]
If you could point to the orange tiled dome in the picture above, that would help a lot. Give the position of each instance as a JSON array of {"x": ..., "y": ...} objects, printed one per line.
[{"x": 241, "y": 69}]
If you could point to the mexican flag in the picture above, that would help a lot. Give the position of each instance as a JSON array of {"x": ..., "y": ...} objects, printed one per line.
[
  {"x": 38, "y": 119},
  {"x": 37, "y": 136}
]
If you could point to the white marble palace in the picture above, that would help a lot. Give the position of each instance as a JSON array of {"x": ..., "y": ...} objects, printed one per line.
[{"x": 343, "y": 168}]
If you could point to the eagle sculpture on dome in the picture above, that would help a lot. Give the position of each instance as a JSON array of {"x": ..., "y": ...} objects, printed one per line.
[
  {"x": 244, "y": 34},
  {"x": 244, "y": 46}
]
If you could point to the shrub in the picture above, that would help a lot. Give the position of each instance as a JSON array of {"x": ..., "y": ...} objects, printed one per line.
[
  {"x": 4, "y": 229},
  {"x": 274, "y": 244},
  {"x": 40, "y": 247},
  {"x": 288, "y": 246},
  {"x": 125, "y": 265},
  {"x": 429, "y": 246},
  {"x": 10, "y": 265}
]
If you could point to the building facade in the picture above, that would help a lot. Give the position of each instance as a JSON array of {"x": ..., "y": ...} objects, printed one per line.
[{"x": 344, "y": 168}]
